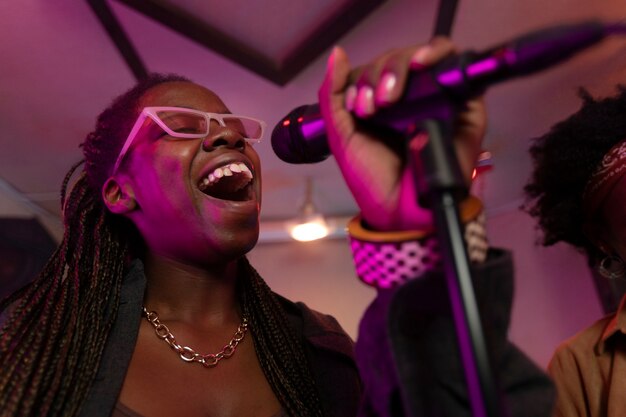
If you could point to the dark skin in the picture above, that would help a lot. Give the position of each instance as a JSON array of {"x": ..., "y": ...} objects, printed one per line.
[
  {"x": 608, "y": 229},
  {"x": 194, "y": 241},
  {"x": 158, "y": 383}
]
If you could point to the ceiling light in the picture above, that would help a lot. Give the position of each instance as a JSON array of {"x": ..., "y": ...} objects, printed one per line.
[{"x": 309, "y": 225}]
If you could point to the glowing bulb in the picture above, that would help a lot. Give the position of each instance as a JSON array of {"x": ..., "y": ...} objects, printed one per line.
[
  {"x": 313, "y": 228},
  {"x": 309, "y": 225}
]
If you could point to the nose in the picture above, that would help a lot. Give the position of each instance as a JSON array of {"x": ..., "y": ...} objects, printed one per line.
[{"x": 222, "y": 136}]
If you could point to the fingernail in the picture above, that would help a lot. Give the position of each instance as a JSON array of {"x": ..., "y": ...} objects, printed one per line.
[
  {"x": 364, "y": 105},
  {"x": 331, "y": 58},
  {"x": 418, "y": 60},
  {"x": 385, "y": 88},
  {"x": 350, "y": 97}
]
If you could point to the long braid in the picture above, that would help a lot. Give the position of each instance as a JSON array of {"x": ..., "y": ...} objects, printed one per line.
[
  {"x": 64, "y": 322},
  {"x": 56, "y": 328},
  {"x": 279, "y": 349}
]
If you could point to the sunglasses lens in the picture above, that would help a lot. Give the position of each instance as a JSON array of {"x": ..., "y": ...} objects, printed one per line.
[
  {"x": 184, "y": 123},
  {"x": 250, "y": 129}
]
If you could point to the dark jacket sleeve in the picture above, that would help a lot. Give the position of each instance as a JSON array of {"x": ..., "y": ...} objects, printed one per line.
[{"x": 409, "y": 360}]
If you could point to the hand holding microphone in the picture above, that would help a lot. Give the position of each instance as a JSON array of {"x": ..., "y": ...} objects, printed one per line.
[{"x": 375, "y": 171}]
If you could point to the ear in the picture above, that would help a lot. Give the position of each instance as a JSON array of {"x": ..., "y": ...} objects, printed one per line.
[{"x": 119, "y": 199}]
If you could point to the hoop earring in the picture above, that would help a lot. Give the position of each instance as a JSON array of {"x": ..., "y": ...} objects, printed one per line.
[{"x": 612, "y": 267}]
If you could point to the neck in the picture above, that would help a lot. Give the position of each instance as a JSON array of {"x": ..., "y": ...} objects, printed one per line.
[{"x": 202, "y": 295}]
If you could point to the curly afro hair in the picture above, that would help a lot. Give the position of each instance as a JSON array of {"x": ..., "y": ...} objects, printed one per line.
[{"x": 564, "y": 159}]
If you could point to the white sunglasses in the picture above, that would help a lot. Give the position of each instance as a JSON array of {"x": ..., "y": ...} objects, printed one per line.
[{"x": 183, "y": 123}]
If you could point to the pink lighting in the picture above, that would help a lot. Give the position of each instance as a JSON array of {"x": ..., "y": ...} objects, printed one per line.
[{"x": 486, "y": 66}]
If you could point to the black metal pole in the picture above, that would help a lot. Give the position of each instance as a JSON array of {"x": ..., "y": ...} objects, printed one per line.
[
  {"x": 441, "y": 187},
  {"x": 119, "y": 37}
]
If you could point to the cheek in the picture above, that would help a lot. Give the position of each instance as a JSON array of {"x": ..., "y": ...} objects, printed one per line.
[
  {"x": 613, "y": 217},
  {"x": 160, "y": 179},
  {"x": 166, "y": 161},
  {"x": 172, "y": 157}
]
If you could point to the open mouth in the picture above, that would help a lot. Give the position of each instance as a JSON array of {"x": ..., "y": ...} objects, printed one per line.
[{"x": 232, "y": 182}]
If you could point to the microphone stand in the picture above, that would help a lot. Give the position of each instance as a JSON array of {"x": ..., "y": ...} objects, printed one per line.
[{"x": 441, "y": 186}]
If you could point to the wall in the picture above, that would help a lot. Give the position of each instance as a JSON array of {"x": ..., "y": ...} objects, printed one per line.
[
  {"x": 13, "y": 204},
  {"x": 554, "y": 292},
  {"x": 319, "y": 273}
]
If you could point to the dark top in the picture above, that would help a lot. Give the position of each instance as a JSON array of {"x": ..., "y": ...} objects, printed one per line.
[
  {"x": 409, "y": 359},
  {"x": 328, "y": 348}
]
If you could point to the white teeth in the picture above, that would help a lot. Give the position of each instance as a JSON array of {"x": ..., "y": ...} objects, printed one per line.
[
  {"x": 244, "y": 168},
  {"x": 226, "y": 171}
]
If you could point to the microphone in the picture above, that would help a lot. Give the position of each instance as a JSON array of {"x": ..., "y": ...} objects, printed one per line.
[{"x": 300, "y": 137}]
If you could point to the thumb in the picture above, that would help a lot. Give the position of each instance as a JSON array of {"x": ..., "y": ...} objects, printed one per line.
[
  {"x": 339, "y": 123},
  {"x": 338, "y": 69},
  {"x": 336, "y": 77}
]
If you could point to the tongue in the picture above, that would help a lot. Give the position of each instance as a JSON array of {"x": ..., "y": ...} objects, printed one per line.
[{"x": 229, "y": 188}]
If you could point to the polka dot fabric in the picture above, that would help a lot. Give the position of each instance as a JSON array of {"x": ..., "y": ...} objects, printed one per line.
[
  {"x": 384, "y": 265},
  {"x": 388, "y": 264}
]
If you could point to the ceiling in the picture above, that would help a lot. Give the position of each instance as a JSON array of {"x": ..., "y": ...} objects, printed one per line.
[{"x": 59, "y": 69}]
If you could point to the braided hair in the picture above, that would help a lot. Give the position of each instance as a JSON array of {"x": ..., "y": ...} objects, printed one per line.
[
  {"x": 564, "y": 160},
  {"x": 57, "y": 326}
]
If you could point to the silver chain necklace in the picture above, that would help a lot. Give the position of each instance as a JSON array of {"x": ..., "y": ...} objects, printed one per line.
[{"x": 188, "y": 354}]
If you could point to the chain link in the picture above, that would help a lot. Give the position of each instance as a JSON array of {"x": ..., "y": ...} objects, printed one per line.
[{"x": 186, "y": 353}]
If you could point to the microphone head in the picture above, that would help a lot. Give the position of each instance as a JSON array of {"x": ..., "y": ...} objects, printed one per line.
[{"x": 300, "y": 137}]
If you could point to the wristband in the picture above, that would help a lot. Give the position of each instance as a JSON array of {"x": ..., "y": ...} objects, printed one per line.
[{"x": 388, "y": 259}]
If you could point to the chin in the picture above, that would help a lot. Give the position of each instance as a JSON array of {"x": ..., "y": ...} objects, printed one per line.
[{"x": 235, "y": 245}]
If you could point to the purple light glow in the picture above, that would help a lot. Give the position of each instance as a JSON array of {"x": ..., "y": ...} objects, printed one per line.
[
  {"x": 484, "y": 66},
  {"x": 450, "y": 78},
  {"x": 313, "y": 127},
  {"x": 466, "y": 349}
]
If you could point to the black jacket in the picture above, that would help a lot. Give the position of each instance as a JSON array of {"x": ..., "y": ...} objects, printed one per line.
[{"x": 409, "y": 359}]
